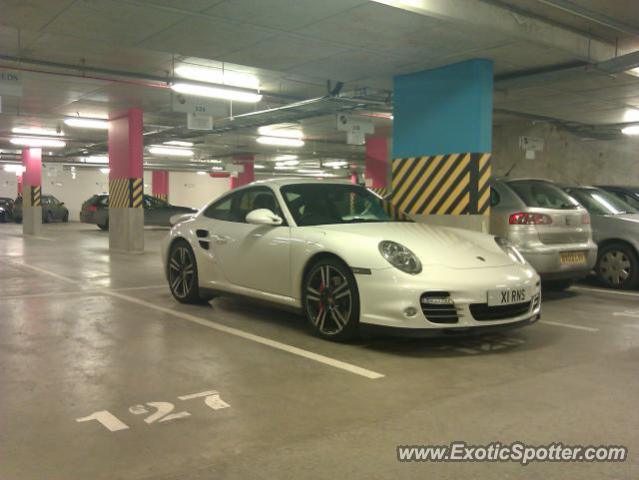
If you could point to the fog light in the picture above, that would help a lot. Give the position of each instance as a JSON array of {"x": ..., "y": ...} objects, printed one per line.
[{"x": 410, "y": 311}]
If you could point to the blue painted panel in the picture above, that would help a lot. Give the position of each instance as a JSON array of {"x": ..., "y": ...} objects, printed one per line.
[{"x": 445, "y": 110}]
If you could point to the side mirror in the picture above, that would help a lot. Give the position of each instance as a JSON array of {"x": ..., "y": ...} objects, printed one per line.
[
  {"x": 61, "y": 203},
  {"x": 263, "y": 216},
  {"x": 180, "y": 217}
]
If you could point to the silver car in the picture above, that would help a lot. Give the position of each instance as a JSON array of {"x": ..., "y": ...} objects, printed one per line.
[
  {"x": 549, "y": 228},
  {"x": 615, "y": 228}
]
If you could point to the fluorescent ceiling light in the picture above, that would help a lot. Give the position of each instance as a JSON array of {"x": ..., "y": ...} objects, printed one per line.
[
  {"x": 171, "y": 152},
  {"x": 80, "y": 122},
  {"x": 631, "y": 130},
  {"x": 219, "y": 76},
  {"x": 36, "y": 131},
  {"x": 281, "y": 158},
  {"x": 288, "y": 163},
  {"x": 97, "y": 159},
  {"x": 281, "y": 142},
  {"x": 17, "y": 169},
  {"x": 283, "y": 130},
  {"x": 105, "y": 170},
  {"x": 336, "y": 164},
  {"x": 258, "y": 166},
  {"x": 201, "y": 173},
  {"x": 217, "y": 169},
  {"x": 37, "y": 142},
  {"x": 283, "y": 167},
  {"x": 221, "y": 92},
  {"x": 179, "y": 143},
  {"x": 631, "y": 115}
]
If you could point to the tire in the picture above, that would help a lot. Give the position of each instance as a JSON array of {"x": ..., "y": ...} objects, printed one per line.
[
  {"x": 65, "y": 218},
  {"x": 3, "y": 218},
  {"x": 48, "y": 218},
  {"x": 330, "y": 300},
  {"x": 103, "y": 226},
  {"x": 618, "y": 266},
  {"x": 557, "y": 285},
  {"x": 184, "y": 286}
]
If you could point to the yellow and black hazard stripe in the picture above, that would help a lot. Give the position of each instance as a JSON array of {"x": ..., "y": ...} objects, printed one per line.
[
  {"x": 483, "y": 187},
  {"x": 439, "y": 184},
  {"x": 125, "y": 192},
  {"x": 381, "y": 191},
  {"x": 36, "y": 195}
]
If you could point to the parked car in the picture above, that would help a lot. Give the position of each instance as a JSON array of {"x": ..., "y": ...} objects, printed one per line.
[
  {"x": 550, "y": 228},
  {"x": 615, "y": 228},
  {"x": 156, "y": 212},
  {"x": 630, "y": 195},
  {"x": 6, "y": 209},
  {"x": 53, "y": 210},
  {"x": 332, "y": 251}
]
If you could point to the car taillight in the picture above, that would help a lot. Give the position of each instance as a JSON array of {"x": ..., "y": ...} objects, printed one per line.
[
  {"x": 92, "y": 208},
  {"x": 585, "y": 219},
  {"x": 525, "y": 218}
]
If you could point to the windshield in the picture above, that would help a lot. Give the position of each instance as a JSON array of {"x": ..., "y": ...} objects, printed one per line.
[
  {"x": 541, "y": 194},
  {"x": 600, "y": 202},
  {"x": 321, "y": 204}
]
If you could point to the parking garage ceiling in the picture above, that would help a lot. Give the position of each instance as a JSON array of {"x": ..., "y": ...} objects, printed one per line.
[{"x": 90, "y": 57}]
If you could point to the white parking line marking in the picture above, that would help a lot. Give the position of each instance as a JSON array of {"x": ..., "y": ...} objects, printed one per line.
[
  {"x": 79, "y": 292},
  {"x": 627, "y": 313},
  {"x": 569, "y": 325},
  {"x": 348, "y": 367},
  {"x": 604, "y": 290}
]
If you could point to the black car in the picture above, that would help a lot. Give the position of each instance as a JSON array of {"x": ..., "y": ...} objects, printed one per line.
[
  {"x": 629, "y": 195},
  {"x": 6, "y": 209},
  {"x": 156, "y": 212},
  {"x": 53, "y": 210}
]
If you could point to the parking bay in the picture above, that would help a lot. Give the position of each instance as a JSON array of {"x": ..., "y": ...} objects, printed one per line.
[{"x": 114, "y": 341}]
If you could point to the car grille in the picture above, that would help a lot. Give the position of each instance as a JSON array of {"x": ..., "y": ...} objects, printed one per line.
[
  {"x": 439, "y": 312},
  {"x": 481, "y": 311}
]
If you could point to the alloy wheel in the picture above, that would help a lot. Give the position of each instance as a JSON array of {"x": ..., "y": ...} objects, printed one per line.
[
  {"x": 615, "y": 267},
  {"x": 181, "y": 272},
  {"x": 329, "y": 299}
]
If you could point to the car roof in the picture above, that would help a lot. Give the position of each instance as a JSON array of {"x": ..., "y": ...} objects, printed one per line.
[{"x": 283, "y": 181}]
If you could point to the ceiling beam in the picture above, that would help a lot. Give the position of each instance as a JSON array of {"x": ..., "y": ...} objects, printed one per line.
[{"x": 487, "y": 16}]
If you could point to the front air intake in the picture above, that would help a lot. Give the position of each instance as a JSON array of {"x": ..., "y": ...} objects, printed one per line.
[{"x": 438, "y": 307}]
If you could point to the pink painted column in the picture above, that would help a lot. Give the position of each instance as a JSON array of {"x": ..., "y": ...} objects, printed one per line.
[
  {"x": 19, "y": 178},
  {"x": 354, "y": 178},
  {"x": 126, "y": 183},
  {"x": 32, "y": 178},
  {"x": 160, "y": 184},
  {"x": 248, "y": 175},
  {"x": 377, "y": 164}
]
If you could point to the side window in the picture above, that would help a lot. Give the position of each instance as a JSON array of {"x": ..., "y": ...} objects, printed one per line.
[
  {"x": 221, "y": 210},
  {"x": 45, "y": 201},
  {"x": 254, "y": 198},
  {"x": 494, "y": 197}
]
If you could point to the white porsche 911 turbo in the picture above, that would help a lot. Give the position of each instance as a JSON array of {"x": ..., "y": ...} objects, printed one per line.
[{"x": 332, "y": 251}]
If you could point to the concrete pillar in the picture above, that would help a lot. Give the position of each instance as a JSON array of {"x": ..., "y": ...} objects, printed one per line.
[
  {"x": 377, "y": 165},
  {"x": 442, "y": 142},
  {"x": 160, "y": 184},
  {"x": 32, "y": 177},
  {"x": 247, "y": 175},
  {"x": 126, "y": 183}
]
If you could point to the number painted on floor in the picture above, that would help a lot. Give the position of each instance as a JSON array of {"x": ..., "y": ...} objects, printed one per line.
[
  {"x": 162, "y": 413},
  {"x": 211, "y": 399},
  {"x": 107, "y": 419},
  {"x": 157, "y": 412}
]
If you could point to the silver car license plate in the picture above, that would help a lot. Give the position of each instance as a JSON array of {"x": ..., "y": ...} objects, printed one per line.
[{"x": 507, "y": 296}]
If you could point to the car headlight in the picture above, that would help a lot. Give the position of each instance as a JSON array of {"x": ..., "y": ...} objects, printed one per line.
[
  {"x": 400, "y": 257},
  {"x": 510, "y": 250}
]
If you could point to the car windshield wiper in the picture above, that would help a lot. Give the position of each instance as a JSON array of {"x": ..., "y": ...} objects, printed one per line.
[{"x": 362, "y": 220}]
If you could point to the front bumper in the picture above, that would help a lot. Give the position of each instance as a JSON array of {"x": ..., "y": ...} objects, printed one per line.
[
  {"x": 387, "y": 295},
  {"x": 546, "y": 260}
]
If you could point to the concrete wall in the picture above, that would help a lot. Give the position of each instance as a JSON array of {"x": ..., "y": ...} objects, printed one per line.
[
  {"x": 566, "y": 158},
  {"x": 187, "y": 189}
]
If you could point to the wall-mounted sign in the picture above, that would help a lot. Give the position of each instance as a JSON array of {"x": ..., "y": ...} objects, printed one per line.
[
  {"x": 355, "y": 127},
  {"x": 10, "y": 83},
  {"x": 531, "y": 143},
  {"x": 196, "y": 121}
]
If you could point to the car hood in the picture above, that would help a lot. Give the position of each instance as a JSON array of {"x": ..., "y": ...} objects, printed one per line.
[{"x": 434, "y": 245}]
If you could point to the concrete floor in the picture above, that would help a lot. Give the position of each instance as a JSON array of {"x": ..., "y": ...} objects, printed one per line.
[{"x": 83, "y": 331}]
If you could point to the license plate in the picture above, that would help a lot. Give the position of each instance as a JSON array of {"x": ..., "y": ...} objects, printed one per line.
[
  {"x": 572, "y": 258},
  {"x": 507, "y": 296}
]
